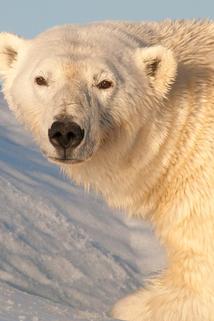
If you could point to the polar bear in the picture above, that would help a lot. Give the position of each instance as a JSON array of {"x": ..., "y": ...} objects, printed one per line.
[{"x": 128, "y": 110}]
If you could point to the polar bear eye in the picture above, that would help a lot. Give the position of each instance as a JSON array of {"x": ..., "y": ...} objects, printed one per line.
[
  {"x": 104, "y": 84},
  {"x": 41, "y": 81}
]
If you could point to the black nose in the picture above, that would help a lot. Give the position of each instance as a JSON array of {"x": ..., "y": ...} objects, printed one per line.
[{"x": 65, "y": 134}]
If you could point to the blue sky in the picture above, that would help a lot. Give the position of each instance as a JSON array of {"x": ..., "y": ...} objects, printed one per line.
[{"x": 27, "y": 17}]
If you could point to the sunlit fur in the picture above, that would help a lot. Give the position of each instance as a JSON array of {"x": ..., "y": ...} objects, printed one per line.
[{"x": 149, "y": 144}]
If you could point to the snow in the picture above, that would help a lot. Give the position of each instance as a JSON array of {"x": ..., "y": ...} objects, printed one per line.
[{"x": 64, "y": 255}]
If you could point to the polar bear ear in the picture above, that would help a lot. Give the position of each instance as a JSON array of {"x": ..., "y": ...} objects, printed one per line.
[
  {"x": 10, "y": 46},
  {"x": 159, "y": 65}
]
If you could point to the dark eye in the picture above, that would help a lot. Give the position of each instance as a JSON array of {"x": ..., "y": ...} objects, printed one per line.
[
  {"x": 104, "y": 84},
  {"x": 41, "y": 81}
]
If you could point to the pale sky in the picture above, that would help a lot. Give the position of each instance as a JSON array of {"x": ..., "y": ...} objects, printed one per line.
[{"x": 27, "y": 17}]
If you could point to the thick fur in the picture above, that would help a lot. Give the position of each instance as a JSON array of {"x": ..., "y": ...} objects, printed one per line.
[{"x": 149, "y": 142}]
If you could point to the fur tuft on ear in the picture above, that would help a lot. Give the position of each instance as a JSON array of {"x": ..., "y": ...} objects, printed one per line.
[
  {"x": 10, "y": 46},
  {"x": 159, "y": 65}
]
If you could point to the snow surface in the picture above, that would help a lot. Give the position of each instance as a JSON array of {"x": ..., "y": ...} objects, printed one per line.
[{"x": 64, "y": 255}]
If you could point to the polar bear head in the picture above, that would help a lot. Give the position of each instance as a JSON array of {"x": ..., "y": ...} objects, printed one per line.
[{"x": 80, "y": 89}]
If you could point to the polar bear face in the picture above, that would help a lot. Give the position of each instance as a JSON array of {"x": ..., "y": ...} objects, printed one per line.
[{"x": 77, "y": 94}]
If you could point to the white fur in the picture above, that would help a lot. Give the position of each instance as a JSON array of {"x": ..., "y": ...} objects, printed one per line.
[{"x": 149, "y": 142}]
